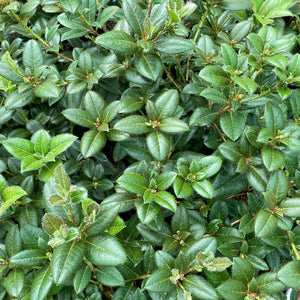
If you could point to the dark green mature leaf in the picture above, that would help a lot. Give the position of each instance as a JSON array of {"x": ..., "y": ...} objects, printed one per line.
[
  {"x": 165, "y": 199},
  {"x": 133, "y": 183},
  {"x": 9, "y": 73},
  {"x": 134, "y": 16},
  {"x": 242, "y": 270},
  {"x": 232, "y": 289},
  {"x": 118, "y": 41},
  {"x": 289, "y": 274},
  {"x": 133, "y": 125},
  {"x": 158, "y": 144},
  {"x": 82, "y": 278},
  {"x": 159, "y": 281},
  {"x": 29, "y": 258},
  {"x": 199, "y": 287},
  {"x": 32, "y": 55},
  {"x": 182, "y": 188},
  {"x": 92, "y": 143},
  {"x": 80, "y": 117},
  {"x": 173, "y": 125},
  {"x": 149, "y": 65},
  {"x": 265, "y": 223},
  {"x": 273, "y": 159},
  {"x": 13, "y": 241},
  {"x": 203, "y": 116},
  {"x": 41, "y": 283},
  {"x": 291, "y": 207},
  {"x": 215, "y": 75},
  {"x": 16, "y": 100},
  {"x": 47, "y": 89},
  {"x": 174, "y": 45},
  {"x": 66, "y": 259},
  {"x": 14, "y": 282},
  {"x": 109, "y": 276},
  {"x": 268, "y": 283},
  {"x": 204, "y": 188},
  {"x": 105, "y": 250},
  {"x": 233, "y": 124}
]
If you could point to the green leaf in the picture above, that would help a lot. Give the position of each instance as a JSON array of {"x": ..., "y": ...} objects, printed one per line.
[
  {"x": 133, "y": 183},
  {"x": 47, "y": 89},
  {"x": 158, "y": 144},
  {"x": 18, "y": 147},
  {"x": 92, "y": 143},
  {"x": 256, "y": 41},
  {"x": 278, "y": 184},
  {"x": 118, "y": 41},
  {"x": 14, "y": 282},
  {"x": 229, "y": 55},
  {"x": 105, "y": 250},
  {"x": 199, "y": 287},
  {"x": 273, "y": 159},
  {"x": 10, "y": 195},
  {"x": 70, "y": 5},
  {"x": 16, "y": 100},
  {"x": 109, "y": 276},
  {"x": 62, "y": 179},
  {"x": 220, "y": 264},
  {"x": 204, "y": 245},
  {"x": 265, "y": 223},
  {"x": 173, "y": 125},
  {"x": 41, "y": 142},
  {"x": 289, "y": 274},
  {"x": 231, "y": 151},
  {"x": 82, "y": 278},
  {"x": 214, "y": 95},
  {"x": 117, "y": 225},
  {"x": 104, "y": 218},
  {"x": 210, "y": 165},
  {"x": 159, "y": 281},
  {"x": 174, "y": 45},
  {"x": 214, "y": 75},
  {"x": 13, "y": 241},
  {"x": 30, "y": 163},
  {"x": 232, "y": 289},
  {"x": 257, "y": 177},
  {"x": 80, "y": 117},
  {"x": 51, "y": 223},
  {"x": 94, "y": 104},
  {"x": 61, "y": 142},
  {"x": 268, "y": 283},
  {"x": 242, "y": 269},
  {"x": 167, "y": 103},
  {"x": 166, "y": 200},
  {"x": 9, "y": 73},
  {"x": 133, "y": 125},
  {"x": 204, "y": 188},
  {"x": 273, "y": 116},
  {"x": 32, "y": 55},
  {"x": 248, "y": 84},
  {"x": 41, "y": 283},
  {"x": 134, "y": 16},
  {"x": 149, "y": 65},
  {"x": 291, "y": 207},
  {"x": 233, "y": 5},
  {"x": 146, "y": 211},
  {"x": 165, "y": 180},
  {"x": 203, "y": 116},
  {"x": 29, "y": 258},
  {"x": 278, "y": 61},
  {"x": 66, "y": 259},
  {"x": 182, "y": 188},
  {"x": 233, "y": 123}
]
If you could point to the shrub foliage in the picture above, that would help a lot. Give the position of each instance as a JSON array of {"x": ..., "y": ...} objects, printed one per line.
[{"x": 149, "y": 149}]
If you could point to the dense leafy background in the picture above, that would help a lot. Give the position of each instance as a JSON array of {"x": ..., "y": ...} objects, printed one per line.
[{"x": 149, "y": 149}]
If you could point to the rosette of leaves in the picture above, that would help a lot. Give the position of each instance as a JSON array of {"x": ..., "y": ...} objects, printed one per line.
[
  {"x": 162, "y": 119},
  {"x": 96, "y": 116}
]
